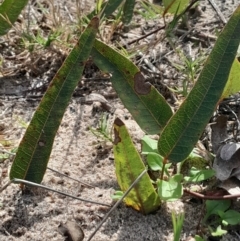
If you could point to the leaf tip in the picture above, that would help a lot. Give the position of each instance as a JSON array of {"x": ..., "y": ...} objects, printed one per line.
[
  {"x": 94, "y": 22},
  {"x": 117, "y": 138},
  {"x": 118, "y": 122}
]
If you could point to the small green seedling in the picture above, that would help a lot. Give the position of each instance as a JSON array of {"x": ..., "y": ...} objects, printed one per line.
[
  {"x": 33, "y": 41},
  {"x": 189, "y": 70},
  {"x": 177, "y": 221},
  {"x": 104, "y": 130},
  {"x": 221, "y": 215},
  {"x": 117, "y": 195},
  {"x": 218, "y": 232},
  {"x": 7, "y": 154}
]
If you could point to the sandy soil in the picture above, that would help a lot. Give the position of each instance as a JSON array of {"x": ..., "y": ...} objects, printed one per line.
[{"x": 35, "y": 214}]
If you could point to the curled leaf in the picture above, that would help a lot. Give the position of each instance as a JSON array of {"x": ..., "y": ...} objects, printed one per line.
[
  {"x": 219, "y": 132},
  {"x": 227, "y": 161},
  {"x": 232, "y": 186}
]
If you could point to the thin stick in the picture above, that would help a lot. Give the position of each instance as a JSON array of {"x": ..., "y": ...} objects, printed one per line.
[
  {"x": 8, "y": 152},
  {"x": 21, "y": 181},
  {"x": 5, "y": 186},
  {"x": 216, "y": 8},
  {"x": 74, "y": 179},
  {"x": 163, "y": 168},
  {"x": 83, "y": 183},
  {"x": 159, "y": 28},
  {"x": 206, "y": 197},
  {"x": 116, "y": 204}
]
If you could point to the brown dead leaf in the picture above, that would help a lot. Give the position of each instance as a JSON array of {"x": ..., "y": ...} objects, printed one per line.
[
  {"x": 227, "y": 161},
  {"x": 219, "y": 132},
  {"x": 232, "y": 186}
]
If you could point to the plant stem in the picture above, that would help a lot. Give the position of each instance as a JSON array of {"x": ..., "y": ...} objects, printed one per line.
[
  {"x": 163, "y": 168},
  {"x": 207, "y": 197}
]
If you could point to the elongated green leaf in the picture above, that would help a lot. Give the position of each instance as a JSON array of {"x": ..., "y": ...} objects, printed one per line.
[
  {"x": 111, "y": 6},
  {"x": 129, "y": 166},
  {"x": 33, "y": 153},
  {"x": 175, "y": 6},
  {"x": 9, "y": 12},
  {"x": 185, "y": 127},
  {"x": 144, "y": 102},
  {"x": 128, "y": 11},
  {"x": 232, "y": 86}
]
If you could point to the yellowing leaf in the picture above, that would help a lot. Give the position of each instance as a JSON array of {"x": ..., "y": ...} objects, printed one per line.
[
  {"x": 175, "y": 6},
  {"x": 232, "y": 85},
  {"x": 129, "y": 166}
]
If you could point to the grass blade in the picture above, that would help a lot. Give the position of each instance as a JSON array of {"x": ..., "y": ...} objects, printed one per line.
[
  {"x": 111, "y": 6},
  {"x": 128, "y": 9}
]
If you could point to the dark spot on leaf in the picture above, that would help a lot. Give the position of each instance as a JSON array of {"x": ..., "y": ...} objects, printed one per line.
[
  {"x": 118, "y": 122},
  {"x": 95, "y": 22},
  {"x": 117, "y": 138},
  {"x": 140, "y": 86},
  {"x": 127, "y": 72}
]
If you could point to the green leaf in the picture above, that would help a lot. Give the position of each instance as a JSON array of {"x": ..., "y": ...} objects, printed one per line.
[
  {"x": 214, "y": 206},
  {"x": 231, "y": 217},
  {"x": 147, "y": 106},
  {"x": 198, "y": 238},
  {"x": 149, "y": 145},
  {"x": 219, "y": 231},
  {"x": 33, "y": 153},
  {"x": 172, "y": 189},
  {"x": 111, "y": 6},
  {"x": 9, "y": 12},
  {"x": 185, "y": 127},
  {"x": 232, "y": 86},
  {"x": 129, "y": 166},
  {"x": 117, "y": 195},
  {"x": 175, "y": 6},
  {"x": 155, "y": 161},
  {"x": 199, "y": 175},
  {"x": 128, "y": 11}
]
